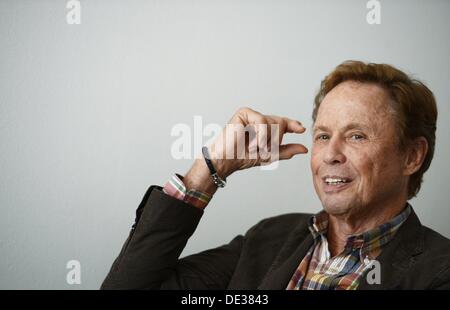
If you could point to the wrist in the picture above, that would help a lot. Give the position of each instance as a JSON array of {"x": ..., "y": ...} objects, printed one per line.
[
  {"x": 220, "y": 164},
  {"x": 199, "y": 178}
]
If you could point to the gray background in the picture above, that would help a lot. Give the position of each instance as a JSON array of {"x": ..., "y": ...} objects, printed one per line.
[{"x": 86, "y": 113}]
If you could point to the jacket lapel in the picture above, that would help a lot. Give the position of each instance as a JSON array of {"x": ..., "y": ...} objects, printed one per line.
[
  {"x": 395, "y": 259},
  {"x": 398, "y": 255},
  {"x": 288, "y": 259}
]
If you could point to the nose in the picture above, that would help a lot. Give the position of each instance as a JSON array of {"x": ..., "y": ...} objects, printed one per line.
[{"x": 334, "y": 153}]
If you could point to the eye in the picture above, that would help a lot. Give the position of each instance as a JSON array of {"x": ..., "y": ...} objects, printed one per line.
[
  {"x": 357, "y": 137},
  {"x": 322, "y": 137}
]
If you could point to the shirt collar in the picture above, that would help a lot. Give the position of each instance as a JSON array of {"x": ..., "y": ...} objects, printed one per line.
[{"x": 368, "y": 243}]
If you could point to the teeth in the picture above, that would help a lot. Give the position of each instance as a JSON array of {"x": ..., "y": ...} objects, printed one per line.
[{"x": 335, "y": 181}]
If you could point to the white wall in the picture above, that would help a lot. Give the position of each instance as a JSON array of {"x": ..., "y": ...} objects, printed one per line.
[{"x": 86, "y": 113}]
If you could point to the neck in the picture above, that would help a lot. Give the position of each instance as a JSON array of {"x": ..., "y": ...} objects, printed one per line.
[{"x": 342, "y": 226}]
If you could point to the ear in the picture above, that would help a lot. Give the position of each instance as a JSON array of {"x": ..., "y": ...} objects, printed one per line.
[{"x": 415, "y": 155}]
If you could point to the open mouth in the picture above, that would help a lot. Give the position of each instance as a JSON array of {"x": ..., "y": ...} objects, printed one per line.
[
  {"x": 336, "y": 180},
  {"x": 335, "y": 183}
]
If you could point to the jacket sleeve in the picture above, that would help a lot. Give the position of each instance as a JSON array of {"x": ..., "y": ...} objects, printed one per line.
[{"x": 149, "y": 259}]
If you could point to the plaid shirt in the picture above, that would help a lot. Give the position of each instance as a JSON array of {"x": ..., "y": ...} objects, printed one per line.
[
  {"x": 319, "y": 271},
  {"x": 176, "y": 188}
]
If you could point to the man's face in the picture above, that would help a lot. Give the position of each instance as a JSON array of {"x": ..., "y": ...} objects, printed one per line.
[{"x": 356, "y": 163}]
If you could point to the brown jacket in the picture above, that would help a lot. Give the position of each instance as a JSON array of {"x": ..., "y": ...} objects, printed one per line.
[{"x": 264, "y": 258}]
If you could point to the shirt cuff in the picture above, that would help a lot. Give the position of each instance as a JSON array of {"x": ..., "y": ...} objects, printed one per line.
[{"x": 176, "y": 188}]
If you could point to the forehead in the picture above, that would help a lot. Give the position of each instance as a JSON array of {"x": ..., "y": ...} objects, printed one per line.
[{"x": 354, "y": 102}]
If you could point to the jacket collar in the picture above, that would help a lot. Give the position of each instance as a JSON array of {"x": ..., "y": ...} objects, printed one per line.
[
  {"x": 394, "y": 260},
  {"x": 398, "y": 255}
]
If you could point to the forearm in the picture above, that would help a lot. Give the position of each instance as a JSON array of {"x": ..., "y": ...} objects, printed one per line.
[{"x": 154, "y": 246}]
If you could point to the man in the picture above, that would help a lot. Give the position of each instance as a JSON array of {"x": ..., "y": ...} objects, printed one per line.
[{"x": 373, "y": 139}]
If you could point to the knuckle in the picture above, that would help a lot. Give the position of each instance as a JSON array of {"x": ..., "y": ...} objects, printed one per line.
[
  {"x": 244, "y": 110},
  {"x": 259, "y": 118}
]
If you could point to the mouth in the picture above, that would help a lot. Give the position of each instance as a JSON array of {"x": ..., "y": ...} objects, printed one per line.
[{"x": 335, "y": 183}]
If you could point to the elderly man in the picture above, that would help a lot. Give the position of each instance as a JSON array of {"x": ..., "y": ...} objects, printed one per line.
[{"x": 373, "y": 139}]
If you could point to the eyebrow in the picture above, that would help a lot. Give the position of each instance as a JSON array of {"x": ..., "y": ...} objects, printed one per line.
[{"x": 348, "y": 127}]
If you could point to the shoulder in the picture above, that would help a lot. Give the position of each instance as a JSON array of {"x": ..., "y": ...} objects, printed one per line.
[
  {"x": 287, "y": 218},
  {"x": 435, "y": 258},
  {"x": 264, "y": 240},
  {"x": 436, "y": 244},
  {"x": 281, "y": 224}
]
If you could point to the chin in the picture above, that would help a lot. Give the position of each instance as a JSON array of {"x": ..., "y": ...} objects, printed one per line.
[{"x": 336, "y": 207}]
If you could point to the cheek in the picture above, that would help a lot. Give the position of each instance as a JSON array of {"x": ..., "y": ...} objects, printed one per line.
[
  {"x": 390, "y": 167},
  {"x": 365, "y": 166},
  {"x": 376, "y": 168},
  {"x": 315, "y": 160}
]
